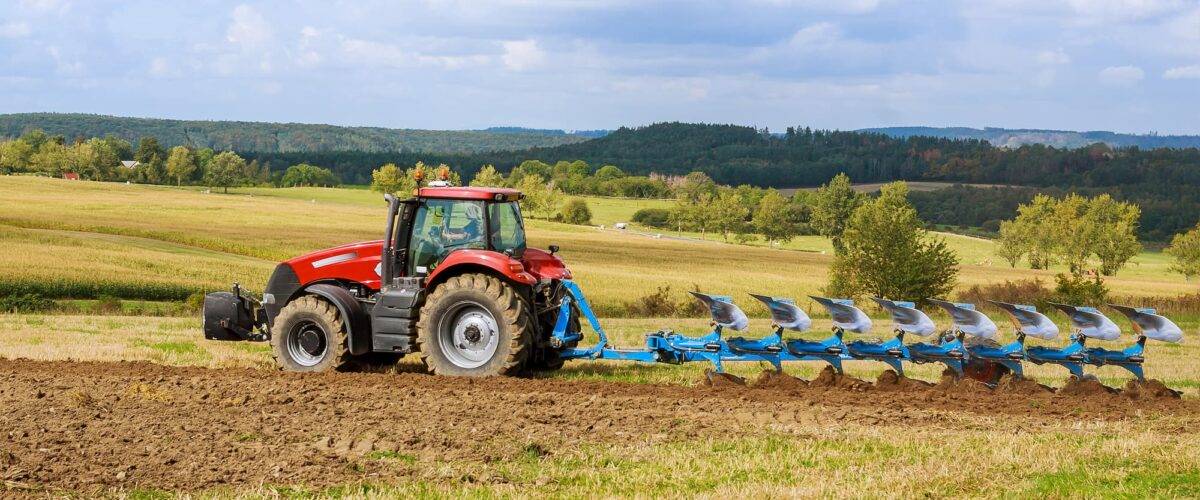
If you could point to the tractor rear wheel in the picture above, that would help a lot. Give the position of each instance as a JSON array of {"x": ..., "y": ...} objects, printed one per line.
[
  {"x": 310, "y": 336},
  {"x": 547, "y": 359},
  {"x": 474, "y": 325}
]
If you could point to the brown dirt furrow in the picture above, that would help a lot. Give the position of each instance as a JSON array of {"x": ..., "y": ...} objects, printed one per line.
[{"x": 86, "y": 426}]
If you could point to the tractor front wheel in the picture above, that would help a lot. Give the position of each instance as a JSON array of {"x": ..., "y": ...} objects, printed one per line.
[
  {"x": 474, "y": 325},
  {"x": 310, "y": 336}
]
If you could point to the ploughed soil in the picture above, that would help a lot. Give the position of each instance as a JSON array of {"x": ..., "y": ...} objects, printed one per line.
[{"x": 91, "y": 426}]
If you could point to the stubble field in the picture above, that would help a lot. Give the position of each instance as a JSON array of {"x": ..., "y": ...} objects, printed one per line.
[{"x": 138, "y": 405}]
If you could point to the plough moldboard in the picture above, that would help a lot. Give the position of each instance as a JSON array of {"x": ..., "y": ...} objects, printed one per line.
[{"x": 969, "y": 348}]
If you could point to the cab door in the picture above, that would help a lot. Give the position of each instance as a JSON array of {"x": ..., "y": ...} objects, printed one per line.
[{"x": 440, "y": 227}]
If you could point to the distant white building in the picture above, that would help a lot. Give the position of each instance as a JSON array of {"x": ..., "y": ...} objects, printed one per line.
[{"x": 130, "y": 164}]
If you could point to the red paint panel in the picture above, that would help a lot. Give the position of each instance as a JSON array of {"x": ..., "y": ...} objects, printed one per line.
[
  {"x": 354, "y": 262},
  {"x": 469, "y": 193},
  {"x": 507, "y": 266},
  {"x": 544, "y": 266}
]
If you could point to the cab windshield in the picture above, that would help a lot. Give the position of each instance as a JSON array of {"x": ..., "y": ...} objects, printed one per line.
[{"x": 508, "y": 234}]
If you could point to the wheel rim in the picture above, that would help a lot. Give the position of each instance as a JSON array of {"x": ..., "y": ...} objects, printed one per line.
[
  {"x": 468, "y": 335},
  {"x": 306, "y": 343}
]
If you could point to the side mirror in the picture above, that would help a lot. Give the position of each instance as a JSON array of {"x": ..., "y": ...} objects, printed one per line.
[{"x": 553, "y": 249}]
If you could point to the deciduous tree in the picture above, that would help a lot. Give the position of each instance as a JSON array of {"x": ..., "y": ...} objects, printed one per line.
[
  {"x": 181, "y": 164},
  {"x": 889, "y": 254},
  {"x": 488, "y": 176},
  {"x": 832, "y": 206},
  {"x": 390, "y": 179},
  {"x": 576, "y": 211},
  {"x": 1185, "y": 249},
  {"x": 774, "y": 218},
  {"x": 225, "y": 170}
]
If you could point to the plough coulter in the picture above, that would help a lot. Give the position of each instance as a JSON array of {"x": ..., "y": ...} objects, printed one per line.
[{"x": 453, "y": 282}]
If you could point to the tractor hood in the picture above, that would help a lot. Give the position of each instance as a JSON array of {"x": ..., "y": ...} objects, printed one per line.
[{"x": 359, "y": 263}]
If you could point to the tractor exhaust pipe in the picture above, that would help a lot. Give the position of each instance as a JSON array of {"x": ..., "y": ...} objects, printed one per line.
[{"x": 233, "y": 316}]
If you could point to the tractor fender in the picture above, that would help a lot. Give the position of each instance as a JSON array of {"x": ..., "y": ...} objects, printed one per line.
[
  {"x": 358, "y": 325},
  {"x": 503, "y": 265}
]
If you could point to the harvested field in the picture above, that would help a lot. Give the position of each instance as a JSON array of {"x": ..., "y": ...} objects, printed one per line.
[{"x": 135, "y": 426}]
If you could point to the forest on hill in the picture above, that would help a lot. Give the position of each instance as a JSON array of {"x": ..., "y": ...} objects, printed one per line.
[
  {"x": 1012, "y": 138},
  {"x": 283, "y": 137},
  {"x": 1165, "y": 182}
]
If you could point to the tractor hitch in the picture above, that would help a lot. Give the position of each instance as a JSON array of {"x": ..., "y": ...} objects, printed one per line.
[{"x": 233, "y": 316}]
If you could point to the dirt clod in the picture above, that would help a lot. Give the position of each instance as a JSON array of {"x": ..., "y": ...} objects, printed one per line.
[
  {"x": 1150, "y": 389},
  {"x": 1013, "y": 384},
  {"x": 719, "y": 380},
  {"x": 951, "y": 383},
  {"x": 830, "y": 378},
  {"x": 771, "y": 379},
  {"x": 889, "y": 380},
  {"x": 1086, "y": 387}
]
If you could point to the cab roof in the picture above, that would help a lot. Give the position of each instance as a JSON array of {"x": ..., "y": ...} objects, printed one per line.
[{"x": 470, "y": 193}]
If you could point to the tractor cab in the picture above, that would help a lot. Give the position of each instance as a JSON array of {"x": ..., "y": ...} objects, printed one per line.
[{"x": 440, "y": 220}]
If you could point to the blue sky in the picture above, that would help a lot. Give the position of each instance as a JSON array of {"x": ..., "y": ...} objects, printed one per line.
[{"x": 1129, "y": 66}]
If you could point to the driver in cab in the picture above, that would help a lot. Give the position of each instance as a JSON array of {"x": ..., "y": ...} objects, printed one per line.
[{"x": 471, "y": 232}]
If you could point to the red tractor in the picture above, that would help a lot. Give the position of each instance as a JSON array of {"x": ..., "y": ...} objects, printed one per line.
[{"x": 452, "y": 280}]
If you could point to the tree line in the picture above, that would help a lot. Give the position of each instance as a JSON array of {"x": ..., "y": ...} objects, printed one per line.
[
  {"x": 103, "y": 159},
  {"x": 249, "y": 137},
  {"x": 1165, "y": 183}
]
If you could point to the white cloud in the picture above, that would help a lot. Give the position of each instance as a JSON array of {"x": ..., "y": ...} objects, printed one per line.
[
  {"x": 1186, "y": 29},
  {"x": 249, "y": 28},
  {"x": 816, "y": 35},
  {"x": 373, "y": 53},
  {"x": 65, "y": 65},
  {"x": 1119, "y": 10},
  {"x": 1121, "y": 75},
  {"x": 45, "y": 5},
  {"x": 520, "y": 55},
  {"x": 846, "y": 6},
  {"x": 15, "y": 30},
  {"x": 1181, "y": 72},
  {"x": 161, "y": 68},
  {"x": 1053, "y": 57}
]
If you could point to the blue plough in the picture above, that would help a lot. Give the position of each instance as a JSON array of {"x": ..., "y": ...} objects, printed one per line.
[{"x": 969, "y": 348}]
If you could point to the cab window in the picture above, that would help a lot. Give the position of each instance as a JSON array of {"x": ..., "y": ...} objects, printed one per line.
[
  {"x": 441, "y": 226},
  {"x": 508, "y": 233}
]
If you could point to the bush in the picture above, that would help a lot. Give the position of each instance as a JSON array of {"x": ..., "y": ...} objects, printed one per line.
[
  {"x": 193, "y": 304},
  {"x": 1029, "y": 291},
  {"x": 653, "y": 217},
  {"x": 656, "y": 304},
  {"x": 576, "y": 211},
  {"x": 107, "y": 304},
  {"x": 24, "y": 303},
  {"x": 1079, "y": 290}
]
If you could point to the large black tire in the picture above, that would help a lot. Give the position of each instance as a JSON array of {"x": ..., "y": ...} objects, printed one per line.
[
  {"x": 547, "y": 359},
  {"x": 310, "y": 336},
  {"x": 474, "y": 325}
]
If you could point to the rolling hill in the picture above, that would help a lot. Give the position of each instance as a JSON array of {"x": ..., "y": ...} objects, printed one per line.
[
  {"x": 286, "y": 137},
  {"x": 1013, "y": 138}
]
